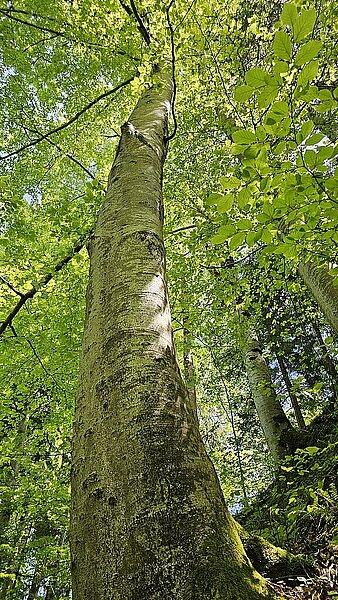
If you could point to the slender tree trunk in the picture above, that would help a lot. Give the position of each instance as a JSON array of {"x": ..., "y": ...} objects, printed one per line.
[
  {"x": 320, "y": 284},
  {"x": 34, "y": 586},
  {"x": 189, "y": 367},
  {"x": 281, "y": 437},
  {"x": 292, "y": 395},
  {"x": 327, "y": 360},
  {"x": 148, "y": 516}
]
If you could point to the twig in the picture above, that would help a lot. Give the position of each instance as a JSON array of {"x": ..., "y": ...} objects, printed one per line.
[
  {"x": 11, "y": 287},
  {"x": 181, "y": 229}
]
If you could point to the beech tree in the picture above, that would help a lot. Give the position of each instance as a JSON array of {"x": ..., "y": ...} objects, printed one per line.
[{"x": 199, "y": 85}]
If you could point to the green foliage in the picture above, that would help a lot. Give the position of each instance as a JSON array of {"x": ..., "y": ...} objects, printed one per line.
[{"x": 256, "y": 112}]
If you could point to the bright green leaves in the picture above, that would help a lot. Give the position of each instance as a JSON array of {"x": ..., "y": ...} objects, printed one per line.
[
  {"x": 244, "y": 136},
  {"x": 225, "y": 203},
  {"x": 308, "y": 73},
  {"x": 237, "y": 240},
  {"x": 243, "y": 93},
  {"x": 282, "y": 46},
  {"x": 223, "y": 234},
  {"x": 304, "y": 24},
  {"x": 257, "y": 78},
  {"x": 279, "y": 181},
  {"x": 289, "y": 14},
  {"x": 307, "y": 52}
]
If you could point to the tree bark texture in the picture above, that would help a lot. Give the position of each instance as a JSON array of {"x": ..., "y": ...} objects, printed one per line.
[
  {"x": 189, "y": 368},
  {"x": 320, "y": 284},
  {"x": 327, "y": 360},
  {"x": 148, "y": 516},
  {"x": 281, "y": 437},
  {"x": 291, "y": 393}
]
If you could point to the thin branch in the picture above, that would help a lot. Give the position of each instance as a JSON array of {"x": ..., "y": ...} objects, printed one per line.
[
  {"x": 185, "y": 15},
  {"x": 39, "y": 27},
  {"x": 11, "y": 287},
  {"x": 72, "y": 120},
  {"x": 33, "y": 290},
  {"x": 219, "y": 73},
  {"x": 7, "y": 13},
  {"x": 141, "y": 26},
  {"x": 72, "y": 158},
  {"x": 173, "y": 133},
  {"x": 181, "y": 229},
  {"x": 40, "y": 361}
]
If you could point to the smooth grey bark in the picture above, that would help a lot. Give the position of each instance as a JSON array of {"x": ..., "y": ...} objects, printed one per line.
[
  {"x": 281, "y": 437},
  {"x": 148, "y": 516},
  {"x": 320, "y": 284},
  {"x": 327, "y": 360},
  {"x": 293, "y": 398},
  {"x": 189, "y": 367}
]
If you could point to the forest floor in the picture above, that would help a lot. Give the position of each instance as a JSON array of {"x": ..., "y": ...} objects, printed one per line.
[{"x": 299, "y": 512}]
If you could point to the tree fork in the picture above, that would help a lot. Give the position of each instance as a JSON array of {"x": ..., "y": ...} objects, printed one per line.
[{"x": 148, "y": 516}]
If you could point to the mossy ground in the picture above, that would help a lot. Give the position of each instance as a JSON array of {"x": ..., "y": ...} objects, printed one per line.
[{"x": 298, "y": 513}]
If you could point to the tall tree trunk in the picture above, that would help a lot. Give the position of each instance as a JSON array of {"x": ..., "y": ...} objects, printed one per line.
[
  {"x": 148, "y": 516},
  {"x": 291, "y": 393},
  {"x": 281, "y": 437},
  {"x": 327, "y": 360},
  {"x": 320, "y": 284}
]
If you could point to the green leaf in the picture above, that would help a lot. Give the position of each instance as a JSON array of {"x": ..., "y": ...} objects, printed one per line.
[
  {"x": 237, "y": 240},
  {"x": 266, "y": 236},
  {"x": 324, "y": 107},
  {"x": 312, "y": 450},
  {"x": 282, "y": 45},
  {"x": 280, "y": 109},
  {"x": 280, "y": 67},
  {"x": 256, "y": 77},
  {"x": 243, "y": 93},
  {"x": 261, "y": 133},
  {"x": 229, "y": 183},
  {"x": 289, "y": 14},
  {"x": 223, "y": 233},
  {"x": 251, "y": 238},
  {"x": 244, "y": 136},
  {"x": 267, "y": 95},
  {"x": 243, "y": 197},
  {"x": 308, "y": 73},
  {"x": 304, "y": 24},
  {"x": 314, "y": 139},
  {"x": 306, "y": 129},
  {"x": 225, "y": 203},
  {"x": 212, "y": 198},
  {"x": 277, "y": 180},
  {"x": 279, "y": 148},
  {"x": 244, "y": 224},
  {"x": 307, "y": 52},
  {"x": 310, "y": 158}
]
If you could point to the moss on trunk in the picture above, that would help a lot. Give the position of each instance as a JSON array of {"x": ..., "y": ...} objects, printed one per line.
[{"x": 148, "y": 516}]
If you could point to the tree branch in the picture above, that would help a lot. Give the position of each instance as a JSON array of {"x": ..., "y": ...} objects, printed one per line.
[
  {"x": 72, "y": 158},
  {"x": 7, "y": 13},
  {"x": 11, "y": 287},
  {"x": 31, "y": 293},
  {"x": 72, "y": 120},
  {"x": 173, "y": 133},
  {"x": 142, "y": 28}
]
